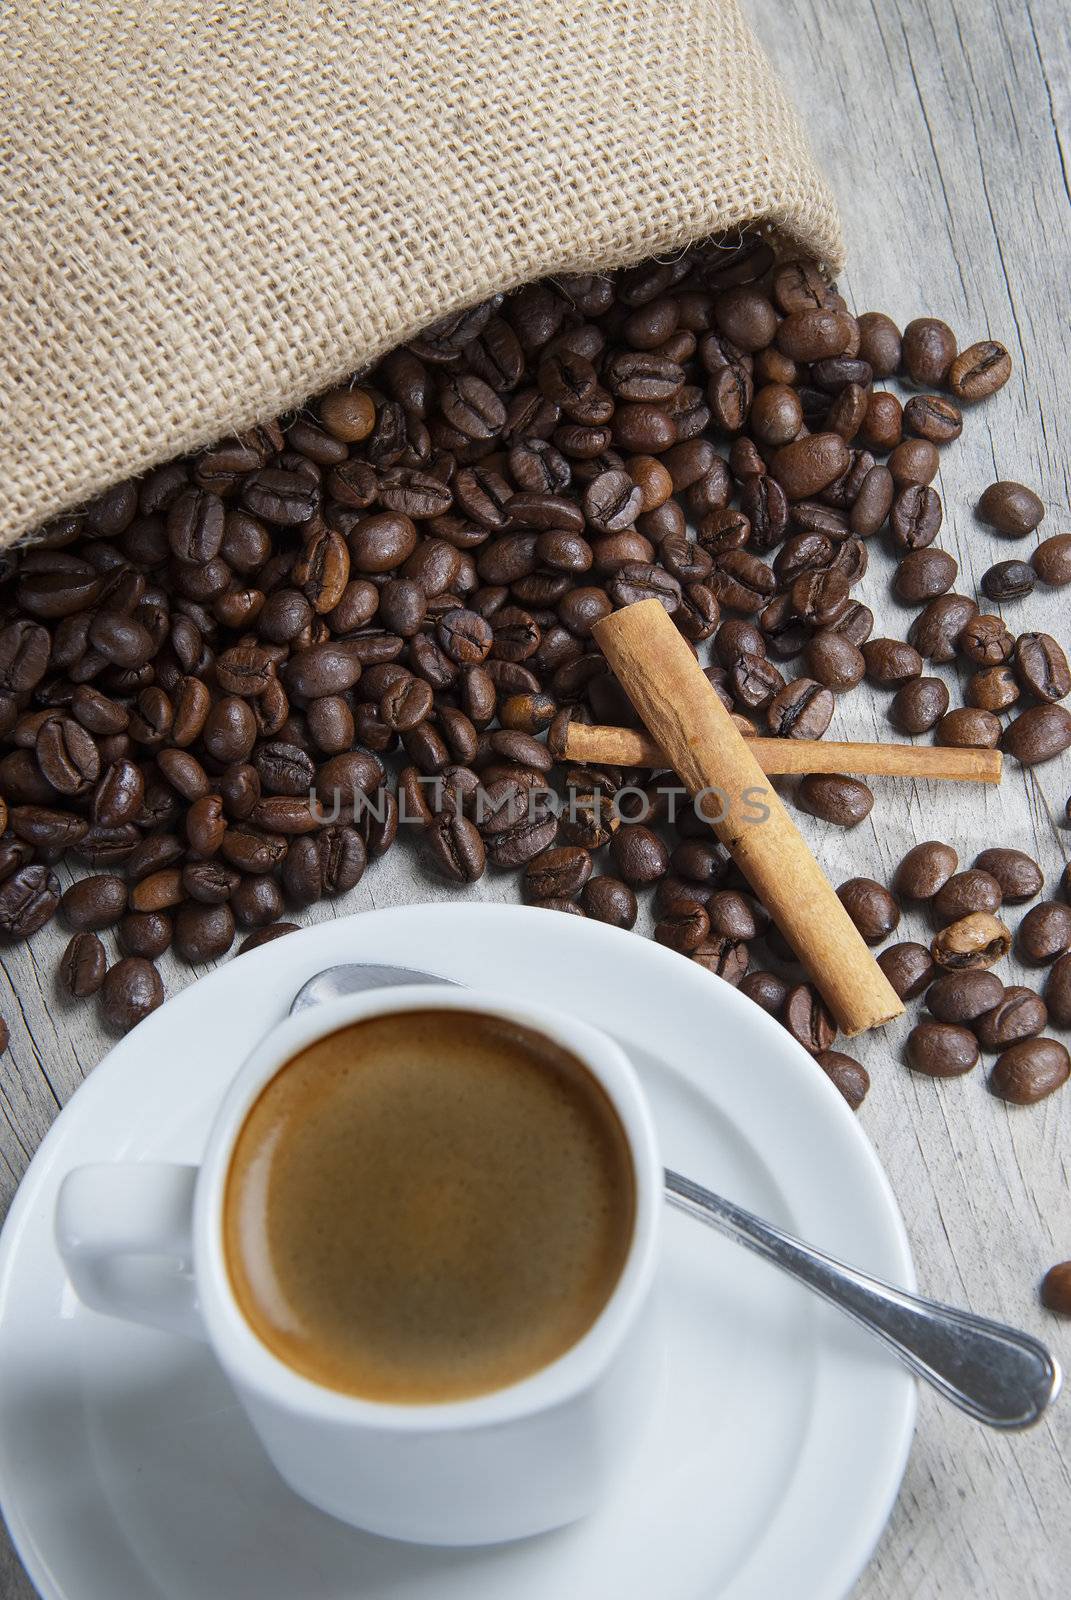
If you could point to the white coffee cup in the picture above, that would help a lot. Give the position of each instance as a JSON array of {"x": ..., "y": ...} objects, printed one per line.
[{"x": 144, "y": 1241}]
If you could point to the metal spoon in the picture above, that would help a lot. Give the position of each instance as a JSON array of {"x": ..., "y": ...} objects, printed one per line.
[{"x": 995, "y": 1373}]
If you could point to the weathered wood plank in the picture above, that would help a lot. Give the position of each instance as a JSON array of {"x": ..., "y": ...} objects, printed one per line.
[{"x": 945, "y": 126}]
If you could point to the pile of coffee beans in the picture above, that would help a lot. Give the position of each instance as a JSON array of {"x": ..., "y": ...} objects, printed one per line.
[
  {"x": 225, "y": 686},
  {"x": 970, "y": 1011}
]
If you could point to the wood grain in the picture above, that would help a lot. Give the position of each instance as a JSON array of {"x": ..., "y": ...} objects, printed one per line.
[{"x": 945, "y": 127}]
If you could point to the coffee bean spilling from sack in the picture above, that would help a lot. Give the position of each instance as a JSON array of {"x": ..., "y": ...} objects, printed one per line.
[{"x": 210, "y": 677}]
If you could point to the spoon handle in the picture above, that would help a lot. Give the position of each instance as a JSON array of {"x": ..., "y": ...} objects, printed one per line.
[{"x": 995, "y": 1373}]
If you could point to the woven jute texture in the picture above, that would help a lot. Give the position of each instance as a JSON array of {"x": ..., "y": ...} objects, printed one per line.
[{"x": 211, "y": 211}]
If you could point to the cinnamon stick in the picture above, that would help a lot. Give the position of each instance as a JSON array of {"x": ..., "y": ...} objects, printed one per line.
[
  {"x": 702, "y": 745},
  {"x": 632, "y": 747}
]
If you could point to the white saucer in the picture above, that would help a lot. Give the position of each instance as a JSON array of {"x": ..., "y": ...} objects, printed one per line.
[{"x": 127, "y": 1471}]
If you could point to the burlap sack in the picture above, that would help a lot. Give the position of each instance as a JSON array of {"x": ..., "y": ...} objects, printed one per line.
[{"x": 214, "y": 208}]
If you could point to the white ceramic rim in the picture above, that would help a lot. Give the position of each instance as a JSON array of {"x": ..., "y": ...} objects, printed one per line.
[{"x": 253, "y": 1366}]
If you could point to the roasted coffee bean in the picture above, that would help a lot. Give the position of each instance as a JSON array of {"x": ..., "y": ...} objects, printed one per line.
[
  {"x": 753, "y": 681},
  {"x": 210, "y": 882},
  {"x": 639, "y": 854},
  {"x": 1044, "y": 933},
  {"x": 24, "y": 656},
  {"x": 1038, "y": 735},
  {"x": 913, "y": 461},
  {"x": 275, "y": 930},
  {"x": 964, "y": 892},
  {"x": 936, "y": 631},
  {"x": 924, "y": 870},
  {"x": 612, "y": 502},
  {"x": 638, "y": 580},
  {"x": 256, "y": 901},
  {"x": 979, "y": 371},
  {"x": 977, "y": 940},
  {"x": 557, "y": 874},
  {"x": 1030, "y": 1070},
  {"x": 909, "y": 967},
  {"x": 94, "y": 903},
  {"x": 871, "y": 907},
  {"x": 145, "y": 933},
  {"x": 1021, "y": 1014},
  {"x": 725, "y": 958},
  {"x": 856, "y": 623},
  {"x": 67, "y": 755},
  {"x": 732, "y": 915},
  {"x": 285, "y": 498},
  {"x": 1010, "y": 508},
  {"x": 882, "y": 424},
  {"x": 880, "y": 343},
  {"x": 801, "y": 710},
  {"x": 1019, "y": 876},
  {"x": 203, "y": 932},
  {"x": 699, "y": 861},
  {"x": 992, "y": 689},
  {"x": 808, "y": 1020},
  {"x": 800, "y": 286},
  {"x": 153, "y": 854},
  {"x": 814, "y": 335},
  {"x": 765, "y": 505},
  {"x": 158, "y": 890},
  {"x": 348, "y": 414},
  {"x": 924, "y": 574},
  {"x": 328, "y": 863},
  {"x": 819, "y": 598},
  {"x": 82, "y": 966},
  {"x": 281, "y": 768},
  {"x": 890, "y": 662},
  {"x": 986, "y": 641},
  {"x": 119, "y": 795},
  {"x": 968, "y": 727},
  {"x": 1041, "y": 667},
  {"x": 683, "y": 925},
  {"x": 840, "y": 800},
  {"x": 932, "y": 417},
  {"x": 46, "y": 828},
  {"x": 766, "y": 989},
  {"x": 847, "y": 1075},
  {"x": 927, "y": 351},
  {"x": 523, "y": 749},
  {"x": 1008, "y": 580},
  {"x": 206, "y": 825},
  {"x": 963, "y": 997},
  {"x": 834, "y": 661},
  {"x": 195, "y": 525},
  {"x": 28, "y": 899},
  {"x": 918, "y": 705},
  {"x": 916, "y": 516},
  {"x": 518, "y": 844},
  {"x": 941, "y": 1049},
  {"x": 810, "y": 464},
  {"x": 1056, "y": 1289},
  {"x": 776, "y": 414},
  {"x": 1057, "y": 992},
  {"x": 609, "y": 900},
  {"x": 1052, "y": 560},
  {"x": 873, "y": 503},
  {"x": 131, "y": 990}
]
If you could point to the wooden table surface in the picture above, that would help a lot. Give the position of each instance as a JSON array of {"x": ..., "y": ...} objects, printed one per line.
[{"x": 943, "y": 125}]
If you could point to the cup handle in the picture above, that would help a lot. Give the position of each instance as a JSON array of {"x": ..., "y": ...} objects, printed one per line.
[{"x": 125, "y": 1232}]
